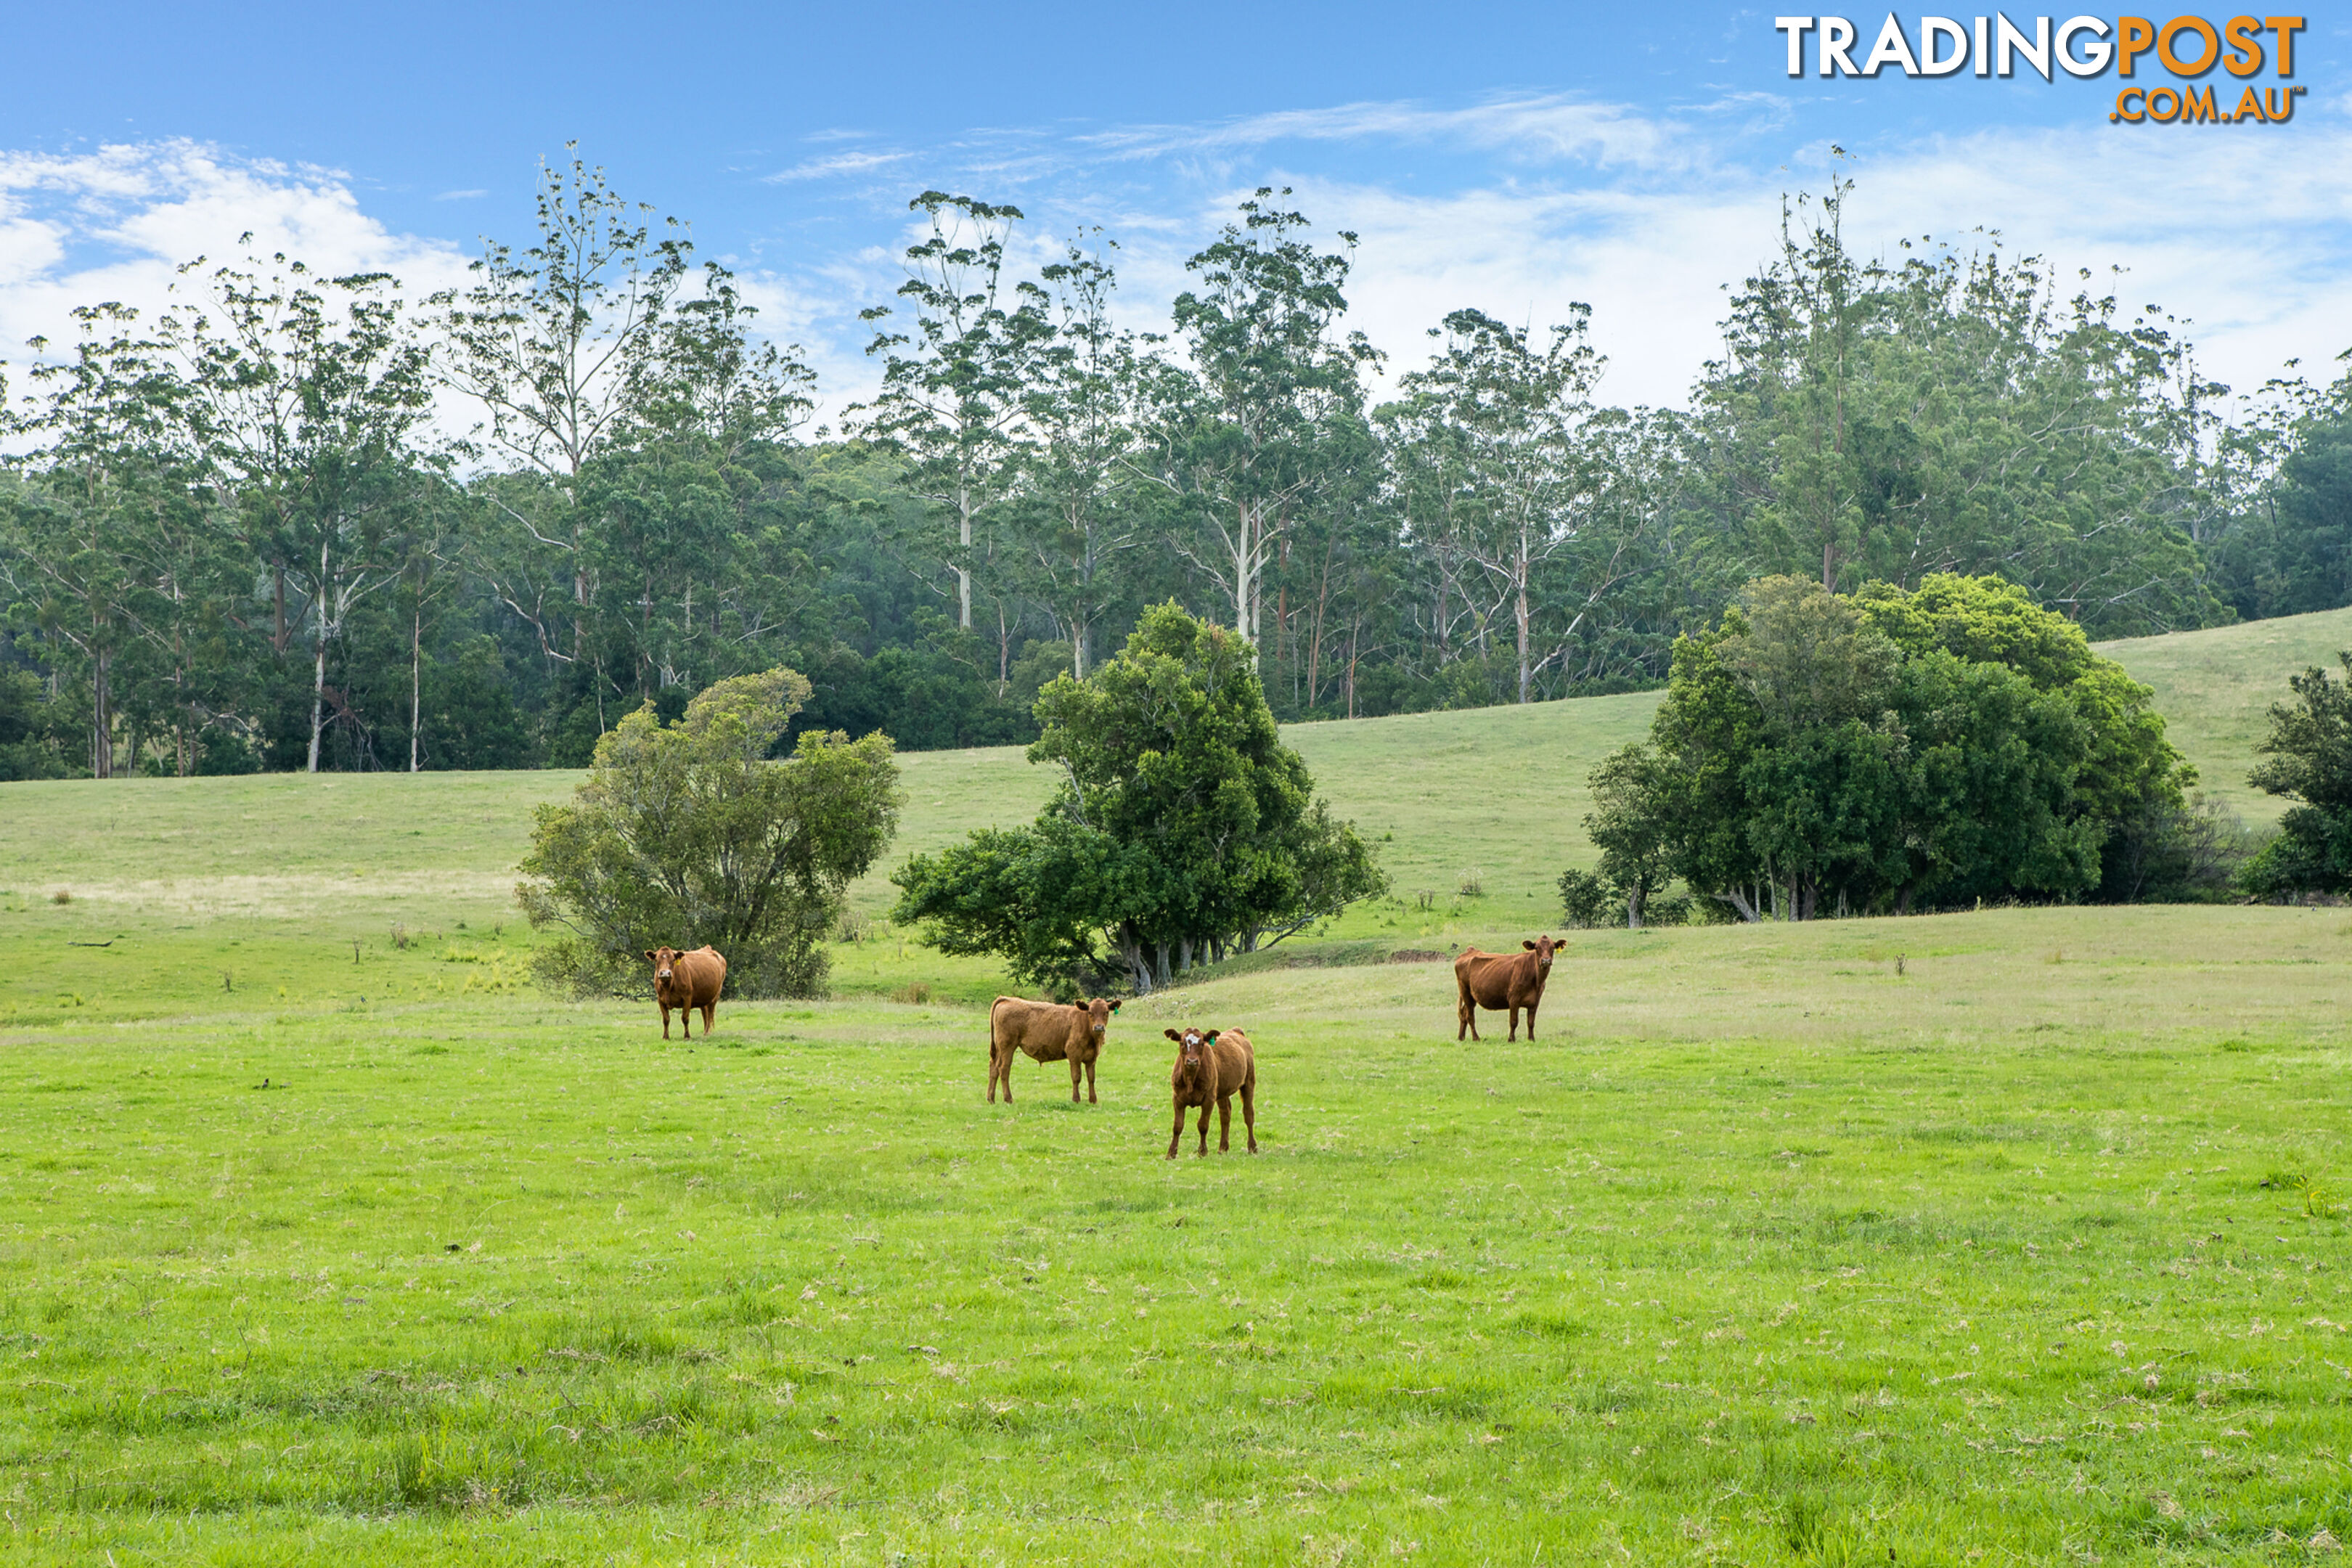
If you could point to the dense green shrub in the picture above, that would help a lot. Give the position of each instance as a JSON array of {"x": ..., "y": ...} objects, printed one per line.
[{"x": 684, "y": 834}]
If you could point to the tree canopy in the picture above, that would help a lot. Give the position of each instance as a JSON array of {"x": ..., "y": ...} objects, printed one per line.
[
  {"x": 1889, "y": 751},
  {"x": 1182, "y": 829},
  {"x": 299, "y": 521},
  {"x": 685, "y": 833}
]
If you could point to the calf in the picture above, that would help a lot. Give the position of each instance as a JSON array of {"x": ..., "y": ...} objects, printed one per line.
[
  {"x": 1499, "y": 980},
  {"x": 1049, "y": 1032},
  {"x": 687, "y": 981},
  {"x": 1210, "y": 1066}
]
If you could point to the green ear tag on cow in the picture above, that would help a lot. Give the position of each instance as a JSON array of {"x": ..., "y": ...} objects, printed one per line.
[{"x": 1213, "y": 1036}]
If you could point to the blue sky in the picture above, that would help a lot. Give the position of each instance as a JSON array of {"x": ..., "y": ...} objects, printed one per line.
[{"x": 1511, "y": 157}]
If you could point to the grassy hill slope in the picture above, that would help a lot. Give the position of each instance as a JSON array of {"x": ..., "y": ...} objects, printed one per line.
[
  {"x": 2215, "y": 688},
  {"x": 1498, "y": 792}
]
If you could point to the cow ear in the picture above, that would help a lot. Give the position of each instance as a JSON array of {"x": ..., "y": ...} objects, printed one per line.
[
  {"x": 1528, "y": 945},
  {"x": 650, "y": 953},
  {"x": 1171, "y": 1033},
  {"x": 1114, "y": 1006},
  {"x": 1213, "y": 1036}
]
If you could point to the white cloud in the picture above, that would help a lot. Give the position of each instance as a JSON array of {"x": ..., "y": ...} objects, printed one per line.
[
  {"x": 1518, "y": 207},
  {"x": 116, "y": 224}
]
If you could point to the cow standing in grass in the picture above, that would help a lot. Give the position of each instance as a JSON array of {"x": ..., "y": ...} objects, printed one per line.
[
  {"x": 1500, "y": 982},
  {"x": 687, "y": 981},
  {"x": 1049, "y": 1032},
  {"x": 1211, "y": 1066}
]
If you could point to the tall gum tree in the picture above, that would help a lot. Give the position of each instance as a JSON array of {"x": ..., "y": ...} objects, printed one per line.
[
  {"x": 311, "y": 395},
  {"x": 954, "y": 381},
  {"x": 1509, "y": 413},
  {"x": 553, "y": 343},
  {"x": 1078, "y": 409},
  {"x": 1239, "y": 429}
]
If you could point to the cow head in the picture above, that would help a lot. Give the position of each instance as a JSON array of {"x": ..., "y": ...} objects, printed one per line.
[
  {"x": 1543, "y": 947},
  {"x": 1195, "y": 1041},
  {"x": 1098, "y": 1012},
  {"x": 664, "y": 961}
]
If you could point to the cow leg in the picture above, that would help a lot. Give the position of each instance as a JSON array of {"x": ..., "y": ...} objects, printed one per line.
[
  {"x": 1225, "y": 1124},
  {"x": 1249, "y": 1114},
  {"x": 1075, "y": 1068},
  {"x": 1464, "y": 1014},
  {"x": 1514, "y": 1020},
  {"x": 664, "y": 1007},
  {"x": 1531, "y": 1021},
  {"x": 1176, "y": 1135},
  {"x": 1090, "y": 1085},
  {"x": 1203, "y": 1149},
  {"x": 710, "y": 1011}
]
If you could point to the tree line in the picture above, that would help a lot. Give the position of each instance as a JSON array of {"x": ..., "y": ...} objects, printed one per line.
[{"x": 293, "y": 521}]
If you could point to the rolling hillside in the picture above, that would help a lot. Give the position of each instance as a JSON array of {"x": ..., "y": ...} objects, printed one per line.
[
  {"x": 2214, "y": 688},
  {"x": 1500, "y": 792}
]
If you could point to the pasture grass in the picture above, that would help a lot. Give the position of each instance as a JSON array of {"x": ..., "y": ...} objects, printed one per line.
[
  {"x": 2017, "y": 1235},
  {"x": 1763, "y": 1253},
  {"x": 2215, "y": 688}
]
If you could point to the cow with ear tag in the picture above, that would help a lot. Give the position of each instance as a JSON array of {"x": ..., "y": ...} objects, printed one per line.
[
  {"x": 1212, "y": 1067},
  {"x": 1048, "y": 1032},
  {"x": 1502, "y": 980}
]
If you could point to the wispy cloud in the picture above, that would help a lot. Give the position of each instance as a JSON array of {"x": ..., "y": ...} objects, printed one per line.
[
  {"x": 461, "y": 195},
  {"x": 840, "y": 163},
  {"x": 1523, "y": 130}
]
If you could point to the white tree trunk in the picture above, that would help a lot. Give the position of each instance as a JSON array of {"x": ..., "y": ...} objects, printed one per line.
[
  {"x": 963, "y": 562},
  {"x": 415, "y": 685},
  {"x": 318, "y": 665}
]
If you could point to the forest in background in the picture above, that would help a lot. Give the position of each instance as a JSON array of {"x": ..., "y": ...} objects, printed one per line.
[{"x": 295, "y": 520}]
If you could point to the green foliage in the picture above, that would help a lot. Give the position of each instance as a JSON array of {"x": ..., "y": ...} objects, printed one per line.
[
  {"x": 1584, "y": 899},
  {"x": 240, "y": 540},
  {"x": 684, "y": 834},
  {"x": 1183, "y": 825},
  {"x": 1951, "y": 412},
  {"x": 1628, "y": 792},
  {"x": 1954, "y": 745},
  {"x": 28, "y": 730},
  {"x": 2307, "y": 758}
]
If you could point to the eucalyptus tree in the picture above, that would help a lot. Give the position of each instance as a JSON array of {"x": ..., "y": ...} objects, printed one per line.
[
  {"x": 1943, "y": 411},
  {"x": 1077, "y": 410},
  {"x": 557, "y": 343},
  {"x": 310, "y": 395},
  {"x": 1509, "y": 415},
  {"x": 1241, "y": 429},
  {"x": 692, "y": 497},
  {"x": 954, "y": 389},
  {"x": 113, "y": 558}
]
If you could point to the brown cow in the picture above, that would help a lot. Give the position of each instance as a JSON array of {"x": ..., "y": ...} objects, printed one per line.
[
  {"x": 687, "y": 981},
  {"x": 1049, "y": 1032},
  {"x": 1496, "y": 981},
  {"x": 1210, "y": 1066}
]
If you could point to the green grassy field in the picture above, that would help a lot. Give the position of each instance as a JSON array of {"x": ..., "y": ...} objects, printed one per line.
[
  {"x": 1765, "y": 1252},
  {"x": 2017, "y": 1235},
  {"x": 2215, "y": 690}
]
